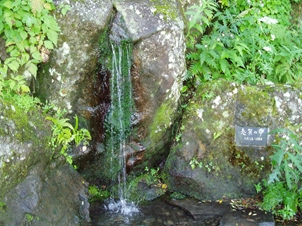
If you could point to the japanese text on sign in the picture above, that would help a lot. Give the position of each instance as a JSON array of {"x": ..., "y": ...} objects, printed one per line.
[{"x": 251, "y": 136}]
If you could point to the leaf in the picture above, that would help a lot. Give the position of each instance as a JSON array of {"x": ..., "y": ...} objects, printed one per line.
[
  {"x": 48, "y": 44},
  {"x": 24, "y": 58},
  {"x": 14, "y": 65},
  {"x": 32, "y": 68},
  {"x": 288, "y": 176},
  {"x": 274, "y": 176},
  {"x": 277, "y": 156},
  {"x": 296, "y": 160},
  {"x": 1, "y": 27},
  {"x": 47, "y": 6},
  {"x": 36, "y": 55},
  {"x": 23, "y": 34},
  {"x": 24, "y": 89},
  {"x": 224, "y": 66},
  {"x": 52, "y": 36},
  {"x": 50, "y": 22},
  {"x": 76, "y": 123},
  {"x": 8, "y": 4},
  {"x": 37, "y": 6}
]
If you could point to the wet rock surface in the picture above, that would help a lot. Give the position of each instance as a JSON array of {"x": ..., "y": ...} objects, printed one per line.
[
  {"x": 183, "y": 212},
  {"x": 222, "y": 214}
]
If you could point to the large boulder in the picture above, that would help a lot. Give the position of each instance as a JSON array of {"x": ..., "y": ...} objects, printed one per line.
[
  {"x": 158, "y": 71},
  {"x": 71, "y": 79},
  {"x": 158, "y": 68},
  {"x": 35, "y": 187},
  {"x": 211, "y": 140}
]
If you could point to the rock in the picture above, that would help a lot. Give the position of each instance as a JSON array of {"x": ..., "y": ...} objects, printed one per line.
[
  {"x": 248, "y": 218},
  {"x": 157, "y": 74},
  {"x": 67, "y": 79},
  {"x": 227, "y": 168},
  {"x": 158, "y": 58},
  {"x": 214, "y": 213},
  {"x": 35, "y": 187}
]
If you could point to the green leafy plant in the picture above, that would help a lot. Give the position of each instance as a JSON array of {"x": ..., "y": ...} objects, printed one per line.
[
  {"x": 194, "y": 163},
  {"x": 64, "y": 8},
  {"x": 64, "y": 134},
  {"x": 177, "y": 196},
  {"x": 29, "y": 217},
  {"x": 97, "y": 194},
  {"x": 199, "y": 18},
  {"x": 243, "y": 45},
  {"x": 2, "y": 206},
  {"x": 30, "y": 32},
  {"x": 283, "y": 190},
  {"x": 152, "y": 176}
]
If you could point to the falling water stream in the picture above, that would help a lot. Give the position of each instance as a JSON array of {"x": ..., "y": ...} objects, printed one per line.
[{"x": 119, "y": 123}]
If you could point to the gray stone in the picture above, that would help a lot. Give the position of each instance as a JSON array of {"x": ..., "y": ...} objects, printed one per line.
[
  {"x": 67, "y": 78},
  {"x": 222, "y": 214},
  {"x": 157, "y": 75},
  {"x": 36, "y": 187},
  {"x": 208, "y": 138},
  {"x": 248, "y": 218}
]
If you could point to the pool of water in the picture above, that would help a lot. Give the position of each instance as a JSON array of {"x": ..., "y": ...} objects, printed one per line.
[
  {"x": 162, "y": 212},
  {"x": 155, "y": 213}
]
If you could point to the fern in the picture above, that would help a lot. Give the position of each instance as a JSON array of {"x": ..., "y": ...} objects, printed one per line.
[{"x": 282, "y": 193}]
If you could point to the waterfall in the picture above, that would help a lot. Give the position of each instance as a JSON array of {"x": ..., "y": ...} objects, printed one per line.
[{"x": 119, "y": 122}]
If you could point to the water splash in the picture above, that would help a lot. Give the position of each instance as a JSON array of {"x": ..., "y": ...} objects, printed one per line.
[{"x": 122, "y": 206}]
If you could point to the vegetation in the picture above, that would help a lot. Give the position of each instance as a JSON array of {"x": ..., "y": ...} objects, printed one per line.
[
  {"x": 283, "y": 190},
  {"x": 252, "y": 42},
  {"x": 243, "y": 41},
  {"x": 30, "y": 32},
  {"x": 97, "y": 194},
  {"x": 2, "y": 206},
  {"x": 64, "y": 134}
]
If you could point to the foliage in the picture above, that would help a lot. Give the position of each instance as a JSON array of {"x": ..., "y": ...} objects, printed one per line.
[
  {"x": 24, "y": 101},
  {"x": 152, "y": 176},
  {"x": 199, "y": 18},
  {"x": 29, "y": 32},
  {"x": 64, "y": 134},
  {"x": 243, "y": 45},
  {"x": 97, "y": 194},
  {"x": 177, "y": 196},
  {"x": 283, "y": 190},
  {"x": 29, "y": 217},
  {"x": 194, "y": 162},
  {"x": 2, "y": 206}
]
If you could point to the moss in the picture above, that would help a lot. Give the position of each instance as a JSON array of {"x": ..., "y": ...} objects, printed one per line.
[
  {"x": 167, "y": 8},
  {"x": 162, "y": 121},
  {"x": 145, "y": 187},
  {"x": 97, "y": 194},
  {"x": 2, "y": 208},
  {"x": 255, "y": 106},
  {"x": 28, "y": 133}
]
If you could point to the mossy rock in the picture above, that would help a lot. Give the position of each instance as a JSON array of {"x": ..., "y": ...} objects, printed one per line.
[
  {"x": 24, "y": 138},
  {"x": 208, "y": 137}
]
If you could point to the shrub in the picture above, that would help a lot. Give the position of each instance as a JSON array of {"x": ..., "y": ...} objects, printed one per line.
[
  {"x": 236, "y": 42},
  {"x": 283, "y": 190}
]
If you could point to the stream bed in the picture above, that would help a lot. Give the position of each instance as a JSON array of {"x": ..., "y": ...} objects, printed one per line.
[{"x": 188, "y": 212}]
